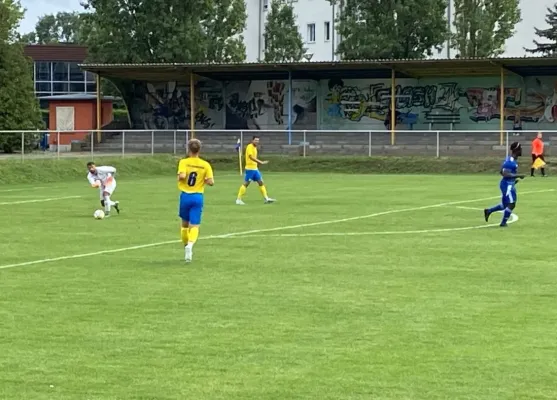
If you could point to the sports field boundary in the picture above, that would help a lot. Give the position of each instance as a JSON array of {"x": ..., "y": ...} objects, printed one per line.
[{"x": 260, "y": 231}]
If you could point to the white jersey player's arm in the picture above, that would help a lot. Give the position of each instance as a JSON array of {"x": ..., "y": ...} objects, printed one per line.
[{"x": 92, "y": 178}]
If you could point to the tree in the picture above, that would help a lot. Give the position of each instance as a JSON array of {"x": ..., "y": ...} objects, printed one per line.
[
  {"x": 379, "y": 29},
  {"x": 63, "y": 27},
  {"x": 548, "y": 48},
  {"x": 19, "y": 108},
  {"x": 483, "y": 26},
  {"x": 138, "y": 31},
  {"x": 283, "y": 41}
]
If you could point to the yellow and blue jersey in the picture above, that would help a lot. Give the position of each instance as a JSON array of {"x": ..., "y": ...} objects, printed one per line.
[
  {"x": 192, "y": 188},
  {"x": 197, "y": 171},
  {"x": 251, "y": 152}
]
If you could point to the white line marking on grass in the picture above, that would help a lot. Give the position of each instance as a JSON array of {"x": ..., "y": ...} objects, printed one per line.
[
  {"x": 512, "y": 220},
  {"x": 22, "y": 190},
  {"x": 254, "y": 232},
  {"x": 470, "y": 208},
  {"x": 9, "y": 203}
]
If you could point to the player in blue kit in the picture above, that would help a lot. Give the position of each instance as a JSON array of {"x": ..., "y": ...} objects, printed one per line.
[{"x": 510, "y": 177}]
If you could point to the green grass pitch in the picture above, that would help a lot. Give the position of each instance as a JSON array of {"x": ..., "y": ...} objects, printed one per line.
[{"x": 350, "y": 287}]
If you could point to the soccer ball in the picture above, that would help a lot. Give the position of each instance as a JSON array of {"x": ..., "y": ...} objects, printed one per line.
[{"x": 99, "y": 214}]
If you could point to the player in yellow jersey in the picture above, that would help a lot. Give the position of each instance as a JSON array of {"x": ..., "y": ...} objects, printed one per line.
[
  {"x": 193, "y": 174},
  {"x": 252, "y": 173}
]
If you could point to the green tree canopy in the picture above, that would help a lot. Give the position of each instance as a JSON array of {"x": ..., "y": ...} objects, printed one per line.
[
  {"x": 283, "y": 41},
  {"x": 62, "y": 27},
  {"x": 549, "y": 46},
  {"x": 375, "y": 29},
  {"x": 165, "y": 30},
  {"x": 19, "y": 108},
  {"x": 483, "y": 26}
]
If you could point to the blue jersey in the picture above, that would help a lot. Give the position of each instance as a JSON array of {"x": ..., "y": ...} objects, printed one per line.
[
  {"x": 507, "y": 185},
  {"x": 510, "y": 165}
]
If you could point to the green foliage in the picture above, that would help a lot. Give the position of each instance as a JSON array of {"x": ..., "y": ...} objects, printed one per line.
[
  {"x": 67, "y": 169},
  {"x": 483, "y": 26},
  {"x": 63, "y": 27},
  {"x": 549, "y": 46},
  {"x": 138, "y": 31},
  {"x": 376, "y": 29},
  {"x": 19, "y": 108},
  {"x": 283, "y": 41}
]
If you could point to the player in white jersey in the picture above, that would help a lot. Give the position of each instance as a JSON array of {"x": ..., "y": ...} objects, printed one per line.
[{"x": 103, "y": 178}]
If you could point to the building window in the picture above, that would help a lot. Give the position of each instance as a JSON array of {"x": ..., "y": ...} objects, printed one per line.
[
  {"x": 60, "y": 71},
  {"x": 42, "y": 71},
  {"x": 327, "y": 31},
  {"x": 76, "y": 74},
  {"x": 60, "y": 87},
  {"x": 43, "y": 87},
  {"x": 311, "y": 33},
  {"x": 91, "y": 77},
  {"x": 77, "y": 87},
  {"x": 91, "y": 87}
]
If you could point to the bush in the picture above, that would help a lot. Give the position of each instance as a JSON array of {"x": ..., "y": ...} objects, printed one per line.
[{"x": 11, "y": 142}]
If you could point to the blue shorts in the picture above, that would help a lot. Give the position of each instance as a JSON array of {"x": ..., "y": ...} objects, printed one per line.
[
  {"x": 508, "y": 193},
  {"x": 252, "y": 175},
  {"x": 191, "y": 207}
]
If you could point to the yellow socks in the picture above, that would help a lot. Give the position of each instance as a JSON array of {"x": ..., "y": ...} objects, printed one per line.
[
  {"x": 263, "y": 191},
  {"x": 193, "y": 234},
  {"x": 241, "y": 192},
  {"x": 184, "y": 235}
]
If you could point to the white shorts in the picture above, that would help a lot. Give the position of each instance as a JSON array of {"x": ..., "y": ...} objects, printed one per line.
[{"x": 110, "y": 188}]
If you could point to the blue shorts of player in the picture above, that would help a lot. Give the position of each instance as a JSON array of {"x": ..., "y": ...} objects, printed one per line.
[
  {"x": 252, "y": 175},
  {"x": 191, "y": 207},
  {"x": 508, "y": 192}
]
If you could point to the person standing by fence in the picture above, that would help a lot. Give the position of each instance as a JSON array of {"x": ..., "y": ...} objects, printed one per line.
[{"x": 537, "y": 155}]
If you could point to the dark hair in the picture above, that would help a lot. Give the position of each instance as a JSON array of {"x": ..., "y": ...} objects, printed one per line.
[
  {"x": 194, "y": 146},
  {"x": 515, "y": 146},
  {"x": 255, "y": 137},
  {"x": 90, "y": 164}
]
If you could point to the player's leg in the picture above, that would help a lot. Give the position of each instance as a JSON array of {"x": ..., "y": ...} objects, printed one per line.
[
  {"x": 498, "y": 207},
  {"x": 195, "y": 212},
  {"x": 510, "y": 204},
  {"x": 184, "y": 214},
  {"x": 532, "y": 169},
  {"x": 262, "y": 188},
  {"x": 108, "y": 190},
  {"x": 247, "y": 179}
]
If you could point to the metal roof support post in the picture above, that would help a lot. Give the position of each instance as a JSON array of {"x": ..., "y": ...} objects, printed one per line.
[
  {"x": 502, "y": 99},
  {"x": 99, "y": 109},
  {"x": 393, "y": 106},
  {"x": 289, "y": 107},
  {"x": 192, "y": 106}
]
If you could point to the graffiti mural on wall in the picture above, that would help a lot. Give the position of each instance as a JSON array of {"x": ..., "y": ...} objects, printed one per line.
[
  {"x": 264, "y": 105},
  {"x": 466, "y": 104},
  {"x": 167, "y": 106}
]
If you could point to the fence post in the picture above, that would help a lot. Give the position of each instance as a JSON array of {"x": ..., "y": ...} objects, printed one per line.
[
  {"x": 58, "y": 145},
  {"x": 369, "y": 144},
  {"x": 123, "y": 144},
  {"x": 174, "y": 142},
  {"x": 22, "y": 145},
  {"x": 437, "y": 146},
  {"x": 507, "y": 144},
  {"x": 304, "y": 144},
  {"x": 152, "y": 143},
  {"x": 241, "y": 140},
  {"x": 92, "y": 145}
]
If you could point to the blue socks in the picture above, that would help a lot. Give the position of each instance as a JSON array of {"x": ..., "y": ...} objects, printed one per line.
[
  {"x": 498, "y": 207},
  {"x": 506, "y": 215}
]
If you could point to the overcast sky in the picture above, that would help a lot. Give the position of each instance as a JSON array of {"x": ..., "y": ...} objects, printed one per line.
[{"x": 533, "y": 14}]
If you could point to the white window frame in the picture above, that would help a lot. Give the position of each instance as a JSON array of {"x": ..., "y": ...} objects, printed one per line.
[
  {"x": 327, "y": 28},
  {"x": 310, "y": 27}
]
